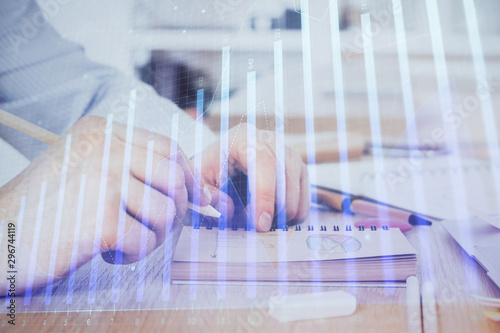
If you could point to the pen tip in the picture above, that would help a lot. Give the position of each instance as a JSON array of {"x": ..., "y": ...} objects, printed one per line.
[{"x": 417, "y": 220}]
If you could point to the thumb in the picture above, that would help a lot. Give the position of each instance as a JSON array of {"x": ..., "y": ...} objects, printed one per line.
[{"x": 198, "y": 193}]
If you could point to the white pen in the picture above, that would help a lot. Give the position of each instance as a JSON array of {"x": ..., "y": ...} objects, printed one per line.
[{"x": 205, "y": 210}]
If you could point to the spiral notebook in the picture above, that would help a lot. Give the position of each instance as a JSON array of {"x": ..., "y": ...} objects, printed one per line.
[
  {"x": 439, "y": 187},
  {"x": 300, "y": 254}
]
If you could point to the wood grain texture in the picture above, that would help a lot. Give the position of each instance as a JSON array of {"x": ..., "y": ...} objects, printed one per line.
[{"x": 200, "y": 308}]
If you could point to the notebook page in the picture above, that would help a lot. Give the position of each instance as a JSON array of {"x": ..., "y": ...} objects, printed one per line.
[{"x": 302, "y": 245}]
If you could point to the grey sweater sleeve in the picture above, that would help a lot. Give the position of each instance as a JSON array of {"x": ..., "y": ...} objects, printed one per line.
[{"x": 48, "y": 81}]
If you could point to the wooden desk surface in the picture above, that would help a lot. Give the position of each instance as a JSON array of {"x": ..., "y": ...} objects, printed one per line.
[{"x": 197, "y": 308}]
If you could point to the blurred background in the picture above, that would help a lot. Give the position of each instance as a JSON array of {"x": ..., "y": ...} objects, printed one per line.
[{"x": 176, "y": 46}]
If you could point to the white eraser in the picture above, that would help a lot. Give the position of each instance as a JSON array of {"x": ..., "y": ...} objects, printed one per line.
[{"x": 312, "y": 306}]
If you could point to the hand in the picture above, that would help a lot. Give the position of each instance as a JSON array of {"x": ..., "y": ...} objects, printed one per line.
[
  {"x": 266, "y": 201},
  {"x": 167, "y": 202}
]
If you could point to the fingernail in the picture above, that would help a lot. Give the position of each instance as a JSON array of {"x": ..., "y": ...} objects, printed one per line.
[
  {"x": 207, "y": 195},
  {"x": 265, "y": 221}
]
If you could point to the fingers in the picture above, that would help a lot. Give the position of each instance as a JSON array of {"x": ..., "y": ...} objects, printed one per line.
[
  {"x": 224, "y": 204},
  {"x": 293, "y": 183},
  {"x": 177, "y": 162},
  {"x": 170, "y": 180},
  {"x": 152, "y": 208},
  {"x": 198, "y": 193},
  {"x": 139, "y": 163},
  {"x": 162, "y": 147},
  {"x": 137, "y": 242},
  {"x": 265, "y": 186},
  {"x": 264, "y": 192},
  {"x": 297, "y": 185},
  {"x": 142, "y": 137},
  {"x": 305, "y": 199}
]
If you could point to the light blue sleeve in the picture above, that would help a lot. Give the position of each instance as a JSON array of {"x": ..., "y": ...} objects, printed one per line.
[{"x": 48, "y": 81}]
